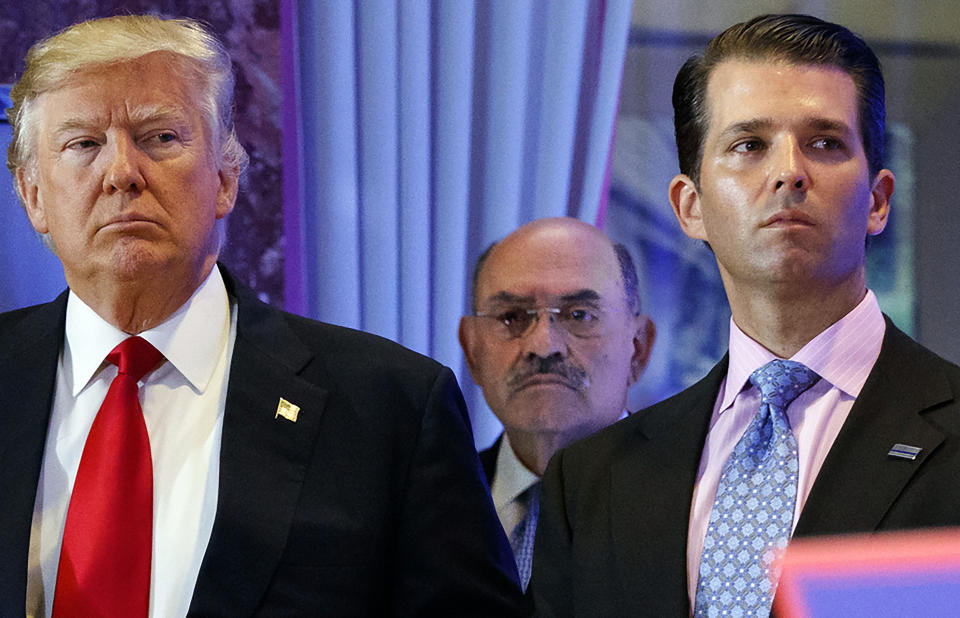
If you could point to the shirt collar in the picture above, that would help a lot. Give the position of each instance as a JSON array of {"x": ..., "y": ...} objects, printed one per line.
[
  {"x": 191, "y": 339},
  {"x": 843, "y": 354},
  {"x": 512, "y": 477}
]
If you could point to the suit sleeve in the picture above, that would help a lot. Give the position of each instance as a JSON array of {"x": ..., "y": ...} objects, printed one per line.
[
  {"x": 552, "y": 584},
  {"x": 453, "y": 558}
]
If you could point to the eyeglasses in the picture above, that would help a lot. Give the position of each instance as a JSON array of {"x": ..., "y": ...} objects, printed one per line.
[{"x": 517, "y": 322}]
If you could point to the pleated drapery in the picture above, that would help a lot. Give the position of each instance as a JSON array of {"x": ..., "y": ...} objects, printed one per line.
[{"x": 424, "y": 131}]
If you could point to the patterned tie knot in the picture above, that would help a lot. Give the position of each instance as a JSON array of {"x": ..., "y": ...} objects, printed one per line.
[
  {"x": 134, "y": 357},
  {"x": 782, "y": 381},
  {"x": 530, "y": 498}
]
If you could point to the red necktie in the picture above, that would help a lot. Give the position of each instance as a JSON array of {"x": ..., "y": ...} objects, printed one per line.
[{"x": 105, "y": 559}]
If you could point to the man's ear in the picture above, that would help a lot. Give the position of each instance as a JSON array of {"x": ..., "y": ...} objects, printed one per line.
[
  {"x": 227, "y": 193},
  {"x": 685, "y": 200},
  {"x": 27, "y": 189},
  {"x": 880, "y": 196},
  {"x": 468, "y": 342},
  {"x": 645, "y": 332}
]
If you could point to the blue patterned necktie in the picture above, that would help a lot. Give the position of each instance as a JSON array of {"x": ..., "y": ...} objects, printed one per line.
[
  {"x": 752, "y": 515},
  {"x": 521, "y": 539}
]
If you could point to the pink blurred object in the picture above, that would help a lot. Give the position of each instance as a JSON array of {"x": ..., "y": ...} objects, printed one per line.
[{"x": 914, "y": 573}]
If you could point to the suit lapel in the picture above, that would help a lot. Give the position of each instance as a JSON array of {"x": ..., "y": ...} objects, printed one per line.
[
  {"x": 263, "y": 460},
  {"x": 29, "y": 368},
  {"x": 651, "y": 488},
  {"x": 858, "y": 481},
  {"x": 488, "y": 460}
]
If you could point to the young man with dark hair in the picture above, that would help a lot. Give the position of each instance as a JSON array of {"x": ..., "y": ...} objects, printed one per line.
[{"x": 823, "y": 418}]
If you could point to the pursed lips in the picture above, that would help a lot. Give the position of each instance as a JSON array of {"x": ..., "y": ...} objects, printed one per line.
[
  {"x": 543, "y": 379},
  {"x": 788, "y": 218},
  {"x": 127, "y": 220}
]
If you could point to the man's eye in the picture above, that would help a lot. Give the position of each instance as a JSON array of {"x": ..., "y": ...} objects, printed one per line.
[
  {"x": 512, "y": 316},
  {"x": 827, "y": 143},
  {"x": 164, "y": 137},
  {"x": 750, "y": 145},
  {"x": 579, "y": 314},
  {"x": 83, "y": 144}
]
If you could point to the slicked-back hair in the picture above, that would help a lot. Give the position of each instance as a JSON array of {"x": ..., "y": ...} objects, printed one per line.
[
  {"x": 52, "y": 62},
  {"x": 793, "y": 39},
  {"x": 631, "y": 283}
]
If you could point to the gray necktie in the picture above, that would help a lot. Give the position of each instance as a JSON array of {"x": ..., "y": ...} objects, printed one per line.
[{"x": 521, "y": 539}]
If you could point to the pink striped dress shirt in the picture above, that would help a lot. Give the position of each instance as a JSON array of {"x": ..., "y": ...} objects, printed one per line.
[{"x": 842, "y": 356}]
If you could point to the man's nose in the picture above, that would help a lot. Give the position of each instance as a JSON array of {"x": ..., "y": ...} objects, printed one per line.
[
  {"x": 546, "y": 337},
  {"x": 789, "y": 172},
  {"x": 123, "y": 171}
]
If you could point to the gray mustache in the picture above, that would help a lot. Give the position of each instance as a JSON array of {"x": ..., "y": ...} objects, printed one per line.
[{"x": 551, "y": 365}]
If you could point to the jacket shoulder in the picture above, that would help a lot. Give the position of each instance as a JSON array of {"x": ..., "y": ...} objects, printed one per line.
[
  {"x": 688, "y": 410},
  {"x": 25, "y": 325},
  {"x": 358, "y": 351},
  {"x": 910, "y": 362}
]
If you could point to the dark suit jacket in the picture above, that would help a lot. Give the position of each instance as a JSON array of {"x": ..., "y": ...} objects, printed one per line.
[
  {"x": 612, "y": 535},
  {"x": 488, "y": 459},
  {"x": 371, "y": 504}
]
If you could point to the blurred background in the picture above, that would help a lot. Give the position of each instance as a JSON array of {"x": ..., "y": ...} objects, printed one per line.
[{"x": 391, "y": 141}]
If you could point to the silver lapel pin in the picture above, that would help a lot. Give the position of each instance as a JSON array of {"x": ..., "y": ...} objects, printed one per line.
[{"x": 905, "y": 451}]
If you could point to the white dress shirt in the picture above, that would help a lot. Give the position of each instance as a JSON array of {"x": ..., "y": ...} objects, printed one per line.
[
  {"x": 182, "y": 400},
  {"x": 510, "y": 480},
  {"x": 842, "y": 355}
]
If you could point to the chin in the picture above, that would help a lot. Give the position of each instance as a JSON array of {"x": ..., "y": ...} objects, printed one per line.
[
  {"x": 539, "y": 412},
  {"x": 139, "y": 259}
]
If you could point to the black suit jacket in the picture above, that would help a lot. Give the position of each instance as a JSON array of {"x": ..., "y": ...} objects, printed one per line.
[
  {"x": 612, "y": 535},
  {"x": 371, "y": 504},
  {"x": 488, "y": 459}
]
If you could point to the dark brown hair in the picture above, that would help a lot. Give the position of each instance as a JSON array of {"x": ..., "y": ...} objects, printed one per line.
[{"x": 795, "y": 39}]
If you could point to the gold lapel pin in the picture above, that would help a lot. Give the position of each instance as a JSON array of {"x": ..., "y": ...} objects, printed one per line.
[{"x": 287, "y": 410}]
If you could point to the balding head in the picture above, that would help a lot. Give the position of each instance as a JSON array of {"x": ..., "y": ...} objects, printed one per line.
[
  {"x": 591, "y": 234},
  {"x": 556, "y": 339}
]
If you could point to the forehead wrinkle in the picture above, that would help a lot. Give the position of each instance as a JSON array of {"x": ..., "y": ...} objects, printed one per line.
[
  {"x": 507, "y": 297},
  {"x": 142, "y": 114},
  {"x": 579, "y": 296},
  {"x": 755, "y": 125},
  {"x": 819, "y": 123},
  {"x": 762, "y": 125},
  {"x": 139, "y": 115}
]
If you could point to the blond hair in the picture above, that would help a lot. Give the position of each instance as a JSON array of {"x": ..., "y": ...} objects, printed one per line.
[{"x": 53, "y": 61}]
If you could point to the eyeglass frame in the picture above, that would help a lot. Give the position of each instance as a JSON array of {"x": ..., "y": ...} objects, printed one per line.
[{"x": 536, "y": 311}]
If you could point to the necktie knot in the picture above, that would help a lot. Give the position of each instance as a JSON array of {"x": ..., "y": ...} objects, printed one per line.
[
  {"x": 134, "y": 357},
  {"x": 530, "y": 498},
  {"x": 782, "y": 381}
]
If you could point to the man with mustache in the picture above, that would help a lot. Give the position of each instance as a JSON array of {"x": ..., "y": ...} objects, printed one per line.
[
  {"x": 823, "y": 418},
  {"x": 555, "y": 341}
]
